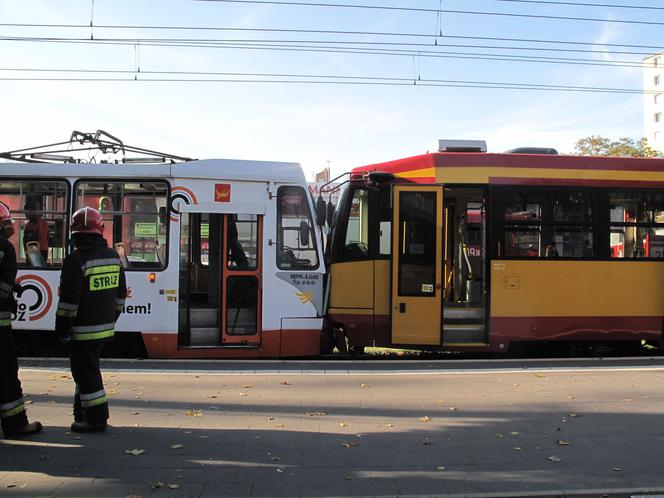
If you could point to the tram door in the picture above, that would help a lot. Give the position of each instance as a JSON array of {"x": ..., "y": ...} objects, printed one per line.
[
  {"x": 220, "y": 280},
  {"x": 241, "y": 280},
  {"x": 417, "y": 265}
]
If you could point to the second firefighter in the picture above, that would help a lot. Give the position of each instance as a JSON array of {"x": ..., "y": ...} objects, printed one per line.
[{"x": 92, "y": 295}]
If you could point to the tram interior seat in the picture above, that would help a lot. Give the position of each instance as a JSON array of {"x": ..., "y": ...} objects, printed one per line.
[{"x": 33, "y": 254}]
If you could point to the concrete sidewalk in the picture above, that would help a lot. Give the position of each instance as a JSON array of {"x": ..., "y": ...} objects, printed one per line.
[{"x": 494, "y": 433}]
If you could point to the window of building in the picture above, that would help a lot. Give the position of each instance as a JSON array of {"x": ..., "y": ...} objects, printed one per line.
[
  {"x": 656, "y": 80},
  {"x": 356, "y": 245},
  {"x": 658, "y": 117},
  {"x": 658, "y": 98},
  {"x": 655, "y": 62},
  {"x": 547, "y": 223},
  {"x": 636, "y": 224},
  {"x": 296, "y": 237},
  {"x": 135, "y": 218},
  {"x": 39, "y": 210}
]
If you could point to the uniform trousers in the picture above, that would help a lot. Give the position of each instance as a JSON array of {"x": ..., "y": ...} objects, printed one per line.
[
  {"x": 12, "y": 407},
  {"x": 90, "y": 402}
]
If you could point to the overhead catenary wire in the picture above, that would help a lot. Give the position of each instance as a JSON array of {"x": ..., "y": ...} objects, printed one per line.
[
  {"x": 582, "y": 4},
  {"x": 430, "y": 10},
  {"x": 211, "y": 42},
  {"x": 234, "y": 77},
  {"x": 423, "y": 83},
  {"x": 443, "y": 11},
  {"x": 307, "y": 31},
  {"x": 392, "y": 52}
]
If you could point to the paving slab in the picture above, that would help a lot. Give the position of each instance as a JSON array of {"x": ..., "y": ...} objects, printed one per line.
[{"x": 505, "y": 429}]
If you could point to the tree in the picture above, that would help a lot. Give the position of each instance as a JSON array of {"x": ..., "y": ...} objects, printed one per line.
[{"x": 623, "y": 147}]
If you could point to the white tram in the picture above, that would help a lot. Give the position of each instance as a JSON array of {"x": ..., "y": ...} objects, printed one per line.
[{"x": 222, "y": 257}]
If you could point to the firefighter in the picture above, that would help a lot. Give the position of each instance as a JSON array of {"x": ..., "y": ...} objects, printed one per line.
[
  {"x": 12, "y": 407},
  {"x": 92, "y": 295}
]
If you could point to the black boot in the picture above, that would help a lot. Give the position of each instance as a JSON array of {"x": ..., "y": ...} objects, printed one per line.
[
  {"x": 27, "y": 430},
  {"x": 88, "y": 427}
]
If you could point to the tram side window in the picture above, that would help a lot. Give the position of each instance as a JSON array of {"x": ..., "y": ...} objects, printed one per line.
[
  {"x": 296, "y": 237},
  {"x": 548, "y": 223},
  {"x": 356, "y": 245},
  {"x": 135, "y": 218},
  {"x": 522, "y": 228},
  {"x": 637, "y": 224},
  {"x": 39, "y": 209},
  {"x": 242, "y": 233},
  {"x": 384, "y": 219}
]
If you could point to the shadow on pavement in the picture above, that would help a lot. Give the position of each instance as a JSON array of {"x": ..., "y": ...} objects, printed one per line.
[{"x": 470, "y": 453}]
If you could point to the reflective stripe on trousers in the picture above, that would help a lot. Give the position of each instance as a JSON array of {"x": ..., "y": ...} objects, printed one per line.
[
  {"x": 13, "y": 408},
  {"x": 93, "y": 399},
  {"x": 92, "y": 332}
]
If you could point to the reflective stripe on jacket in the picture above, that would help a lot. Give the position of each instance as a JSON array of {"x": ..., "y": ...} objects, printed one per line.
[{"x": 92, "y": 284}]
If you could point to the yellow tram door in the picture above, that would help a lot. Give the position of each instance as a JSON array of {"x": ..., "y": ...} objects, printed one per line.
[{"x": 417, "y": 265}]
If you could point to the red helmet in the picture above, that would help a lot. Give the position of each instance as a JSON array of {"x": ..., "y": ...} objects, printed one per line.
[
  {"x": 87, "y": 220},
  {"x": 6, "y": 221}
]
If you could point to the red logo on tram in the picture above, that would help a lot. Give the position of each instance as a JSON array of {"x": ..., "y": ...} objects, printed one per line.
[{"x": 222, "y": 192}]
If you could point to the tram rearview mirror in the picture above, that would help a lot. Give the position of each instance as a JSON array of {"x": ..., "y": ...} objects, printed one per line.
[
  {"x": 330, "y": 213},
  {"x": 320, "y": 211},
  {"x": 304, "y": 233}
]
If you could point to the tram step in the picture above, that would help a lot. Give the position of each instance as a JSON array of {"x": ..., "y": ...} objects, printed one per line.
[
  {"x": 463, "y": 333},
  {"x": 452, "y": 313},
  {"x": 203, "y": 317},
  {"x": 204, "y": 336}
]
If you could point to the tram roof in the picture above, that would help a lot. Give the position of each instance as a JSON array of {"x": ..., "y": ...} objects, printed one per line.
[
  {"x": 213, "y": 169},
  {"x": 473, "y": 167}
]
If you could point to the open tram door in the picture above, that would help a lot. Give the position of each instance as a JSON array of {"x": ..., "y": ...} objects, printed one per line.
[
  {"x": 417, "y": 280},
  {"x": 220, "y": 280}
]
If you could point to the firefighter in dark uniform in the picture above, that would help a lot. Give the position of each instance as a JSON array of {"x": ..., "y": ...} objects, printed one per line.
[
  {"x": 12, "y": 407},
  {"x": 92, "y": 295}
]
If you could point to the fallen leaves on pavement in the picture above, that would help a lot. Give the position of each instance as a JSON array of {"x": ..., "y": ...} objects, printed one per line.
[{"x": 134, "y": 452}]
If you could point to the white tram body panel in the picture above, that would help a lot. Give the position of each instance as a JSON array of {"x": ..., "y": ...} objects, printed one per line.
[{"x": 261, "y": 207}]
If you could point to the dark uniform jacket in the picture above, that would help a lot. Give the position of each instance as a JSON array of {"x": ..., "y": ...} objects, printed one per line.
[
  {"x": 7, "y": 278},
  {"x": 92, "y": 292}
]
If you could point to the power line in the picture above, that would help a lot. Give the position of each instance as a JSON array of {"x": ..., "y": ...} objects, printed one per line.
[
  {"x": 328, "y": 32},
  {"x": 299, "y": 47},
  {"x": 296, "y": 77},
  {"x": 211, "y": 43},
  {"x": 329, "y": 79},
  {"x": 580, "y": 4},
  {"x": 333, "y": 5},
  {"x": 442, "y": 11},
  {"x": 415, "y": 9}
]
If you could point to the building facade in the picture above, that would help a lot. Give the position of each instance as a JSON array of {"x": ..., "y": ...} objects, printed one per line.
[{"x": 653, "y": 100}]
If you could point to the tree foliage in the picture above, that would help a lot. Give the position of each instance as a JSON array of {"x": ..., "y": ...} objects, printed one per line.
[{"x": 623, "y": 147}]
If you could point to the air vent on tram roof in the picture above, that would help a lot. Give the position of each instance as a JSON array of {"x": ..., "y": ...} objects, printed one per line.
[
  {"x": 533, "y": 150},
  {"x": 461, "y": 146}
]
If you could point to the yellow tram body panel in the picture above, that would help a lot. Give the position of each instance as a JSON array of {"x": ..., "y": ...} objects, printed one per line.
[{"x": 577, "y": 288}]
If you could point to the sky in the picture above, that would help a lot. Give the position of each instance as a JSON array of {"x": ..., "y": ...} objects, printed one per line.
[{"x": 318, "y": 123}]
